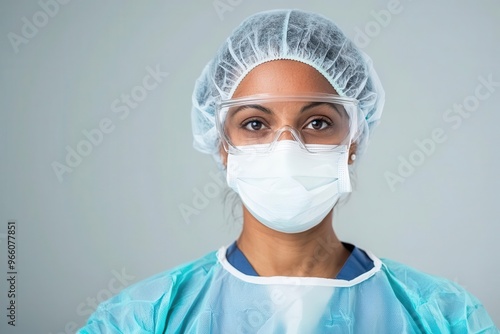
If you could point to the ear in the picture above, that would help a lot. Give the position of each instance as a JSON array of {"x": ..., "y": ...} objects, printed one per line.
[
  {"x": 352, "y": 150},
  {"x": 223, "y": 155}
]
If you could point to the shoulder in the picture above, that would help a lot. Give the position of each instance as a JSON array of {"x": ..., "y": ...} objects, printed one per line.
[
  {"x": 436, "y": 301},
  {"x": 416, "y": 280},
  {"x": 137, "y": 308}
]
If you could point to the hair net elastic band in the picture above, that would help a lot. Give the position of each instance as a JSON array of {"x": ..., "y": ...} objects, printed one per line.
[{"x": 319, "y": 69}]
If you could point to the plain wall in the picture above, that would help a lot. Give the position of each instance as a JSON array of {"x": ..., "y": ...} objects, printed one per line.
[{"x": 118, "y": 213}]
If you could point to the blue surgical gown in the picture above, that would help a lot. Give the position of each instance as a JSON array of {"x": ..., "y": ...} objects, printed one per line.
[{"x": 210, "y": 295}]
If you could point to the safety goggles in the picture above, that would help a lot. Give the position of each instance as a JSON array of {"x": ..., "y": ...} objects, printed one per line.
[{"x": 318, "y": 122}]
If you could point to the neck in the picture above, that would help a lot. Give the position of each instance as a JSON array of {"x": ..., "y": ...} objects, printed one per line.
[{"x": 314, "y": 253}]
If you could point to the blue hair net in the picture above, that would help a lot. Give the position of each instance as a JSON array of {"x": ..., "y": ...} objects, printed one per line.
[{"x": 285, "y": 34}]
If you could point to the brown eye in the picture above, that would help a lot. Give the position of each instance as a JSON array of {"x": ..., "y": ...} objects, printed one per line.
[
  {"x": 317, "y": 124},
  {"x": 253, "y": 125}
]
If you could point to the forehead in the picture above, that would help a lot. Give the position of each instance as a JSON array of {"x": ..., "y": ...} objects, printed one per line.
[{"x": 283, "y": 77}]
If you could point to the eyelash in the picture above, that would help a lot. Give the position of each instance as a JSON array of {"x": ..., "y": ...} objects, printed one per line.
[
  {"x": 322, "y": 119},
  {"x": 246, "y": 123}
]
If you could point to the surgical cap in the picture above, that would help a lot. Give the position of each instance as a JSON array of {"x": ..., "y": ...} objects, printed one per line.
[{"x": 293, "y": 35}]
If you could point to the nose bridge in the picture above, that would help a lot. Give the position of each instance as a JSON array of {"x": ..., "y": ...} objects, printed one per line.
[
  {"x": 287, "y": 133},
  {"x": 284, "y": 134}
]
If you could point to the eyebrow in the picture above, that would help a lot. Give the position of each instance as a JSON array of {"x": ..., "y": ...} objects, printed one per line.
[
  {"x": 303, "y": 109},
  {"x": 315, "y": 104},
  {"x": 254, "y": 106}
]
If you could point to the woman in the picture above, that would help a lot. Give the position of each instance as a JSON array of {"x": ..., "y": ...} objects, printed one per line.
[{"x": 285, "y": 107}]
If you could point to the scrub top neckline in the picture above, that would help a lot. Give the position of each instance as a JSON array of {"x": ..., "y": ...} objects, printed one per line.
[
  {"x": 356, "y": 264},
  {"x": 307, "y": 281}
]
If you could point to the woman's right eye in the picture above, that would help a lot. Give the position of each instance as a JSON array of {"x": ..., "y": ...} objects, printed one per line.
[{"x": 253, "y": 125}]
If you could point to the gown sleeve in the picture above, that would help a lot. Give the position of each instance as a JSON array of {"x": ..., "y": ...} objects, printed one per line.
[
  {"x": 141, "y": 308},
  {"x": 436, "y": 304},
  {"x": 147, "y": 306}
]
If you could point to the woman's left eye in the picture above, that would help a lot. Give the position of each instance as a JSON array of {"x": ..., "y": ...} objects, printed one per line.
[{"x": 317, "y": 124}]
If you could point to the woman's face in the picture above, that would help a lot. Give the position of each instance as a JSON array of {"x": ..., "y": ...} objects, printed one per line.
[{"x": 288, "y": 77}]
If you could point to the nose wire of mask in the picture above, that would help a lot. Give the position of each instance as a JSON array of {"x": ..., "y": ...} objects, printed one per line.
[{"x": 289, "y": 189}]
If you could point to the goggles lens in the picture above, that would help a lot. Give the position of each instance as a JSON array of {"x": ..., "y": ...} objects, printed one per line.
[{"x": 319, "y": 119}]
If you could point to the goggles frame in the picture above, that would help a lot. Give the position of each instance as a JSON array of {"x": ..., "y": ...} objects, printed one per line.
[{"x": 265, "y": 98}]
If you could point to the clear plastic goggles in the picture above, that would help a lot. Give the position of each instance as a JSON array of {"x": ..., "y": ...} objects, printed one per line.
[{"x": 318, "y": 122}]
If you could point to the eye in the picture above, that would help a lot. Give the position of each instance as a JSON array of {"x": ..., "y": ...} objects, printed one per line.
[
  {"x": 253, "y": 125},
  {"x": 318, "y": 124}
]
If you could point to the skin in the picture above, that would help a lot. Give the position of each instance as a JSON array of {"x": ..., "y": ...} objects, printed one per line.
[{"x": 316, "y": 252}]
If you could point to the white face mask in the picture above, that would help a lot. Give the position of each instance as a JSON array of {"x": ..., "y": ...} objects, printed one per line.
[{"x": 289, "y": 189}]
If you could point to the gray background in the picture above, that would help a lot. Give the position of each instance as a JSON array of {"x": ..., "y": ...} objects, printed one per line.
[{"x": 119, "y": 209}]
